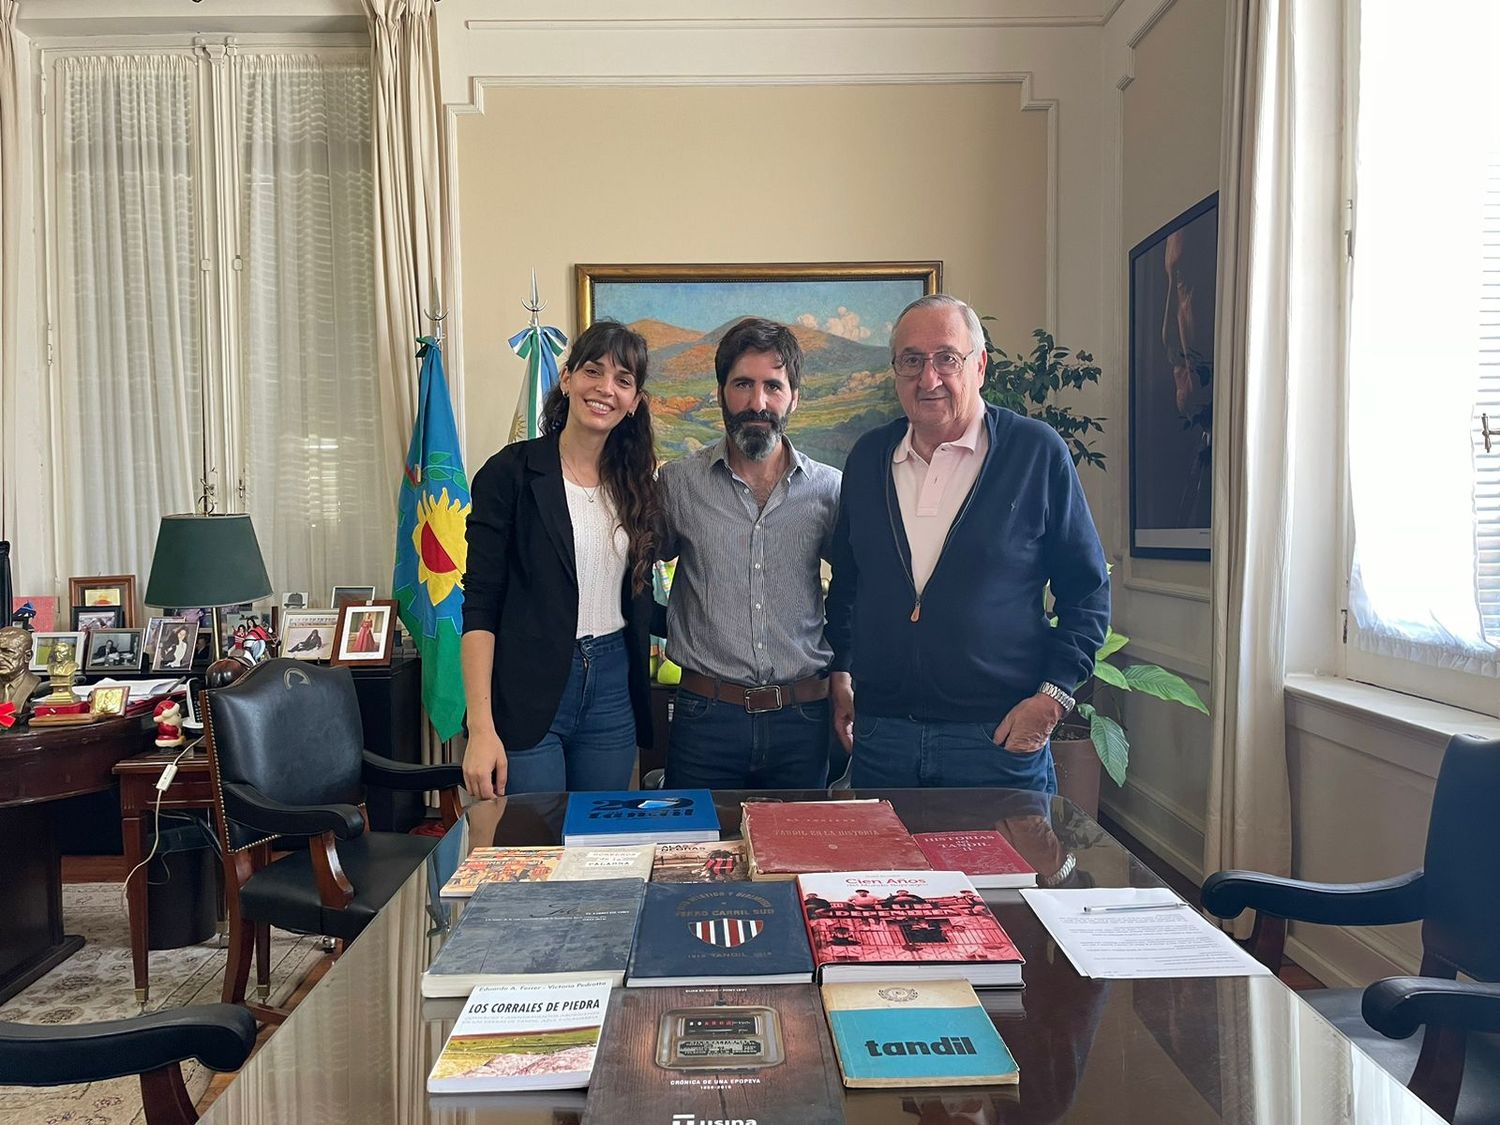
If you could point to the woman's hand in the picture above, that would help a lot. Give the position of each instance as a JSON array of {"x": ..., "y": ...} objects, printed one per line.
[{"x": 485, "y": 767}]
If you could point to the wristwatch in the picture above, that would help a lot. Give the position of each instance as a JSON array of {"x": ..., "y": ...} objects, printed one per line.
[{"x": 1057, "y": 693}]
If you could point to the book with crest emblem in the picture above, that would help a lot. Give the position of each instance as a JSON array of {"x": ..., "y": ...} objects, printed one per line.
[{"x": 744, "y": 933}]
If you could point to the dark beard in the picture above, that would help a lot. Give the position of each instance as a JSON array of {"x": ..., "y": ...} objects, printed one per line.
[{"x": 756, "y": 444}]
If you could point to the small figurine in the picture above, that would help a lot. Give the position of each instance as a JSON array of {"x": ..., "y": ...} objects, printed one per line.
[
  {"x": 62, "y": 669},
  {"x": 168, "y": 716}
]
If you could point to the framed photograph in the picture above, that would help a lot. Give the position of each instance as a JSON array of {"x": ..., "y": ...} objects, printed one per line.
[
  {"x": 108, "y": 700},
  {"x": 294, "y": 599},
  {"x": 114, "y": 650},
  {"x": 105, "y": 590},
  {"x": 94, "y": 618},
  {"x": 841, "y": 314},
  {"x": 307, "y": 634},
  {"x": 176, "y": 647},
  {"x": 39, "y": 611},
  {"x": 1172, "y": 296},
  {"x": 350, "y": 595},
  {"x": 247, "y": 629},
  {"x": 153, "y": 631},
  {"x": 44, "y": 643},
  {"x": 364, "y": 633}
]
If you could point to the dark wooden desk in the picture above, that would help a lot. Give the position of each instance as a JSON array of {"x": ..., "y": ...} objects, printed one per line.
[
  {"x": 39, "y": 766},
  {"x": 1129, "y": 1052},
  {"x": 191, "y": 788}
]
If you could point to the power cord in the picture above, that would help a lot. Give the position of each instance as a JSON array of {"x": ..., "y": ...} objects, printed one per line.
[{"x": 163, "y": 783}]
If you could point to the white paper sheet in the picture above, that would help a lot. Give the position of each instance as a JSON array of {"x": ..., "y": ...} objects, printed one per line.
[
  {"x": 139, "y": 689},
  {"x": 1175, "y": 941}
]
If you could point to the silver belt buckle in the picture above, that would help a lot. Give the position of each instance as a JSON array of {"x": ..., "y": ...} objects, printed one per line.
[{"x": 752, "y": 709}]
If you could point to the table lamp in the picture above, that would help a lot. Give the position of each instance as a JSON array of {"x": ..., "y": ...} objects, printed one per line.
[{"x": 207, "y": 562}]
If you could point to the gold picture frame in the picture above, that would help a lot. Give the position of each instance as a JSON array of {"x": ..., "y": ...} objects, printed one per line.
[{"x": 841, "y": 313}]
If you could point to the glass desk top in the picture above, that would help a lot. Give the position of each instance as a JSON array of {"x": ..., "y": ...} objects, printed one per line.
[{"x": 1156, "y": 1052}]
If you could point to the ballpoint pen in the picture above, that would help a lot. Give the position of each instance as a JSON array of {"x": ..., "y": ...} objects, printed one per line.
[{"x": 1132, "y": 906}]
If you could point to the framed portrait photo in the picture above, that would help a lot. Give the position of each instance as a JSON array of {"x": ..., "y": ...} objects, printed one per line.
[
  {"x": 246, "y": 630},
  {"x": 95, "y": 618},
  {"x": 114, "y": 650},
  {"x": 45, "y": 643},
  {"x": 307, "y": 634},
  {"x": 840, "y": 312},
  {"x": 1173, "y": 275},
  {"x": 176, "y": 646},
  {"x": 105, "y": 590},
  {"x": 365, "y": 633},
  {"x": 350, "y": 595},
  {"x": 153, "y": 631}
]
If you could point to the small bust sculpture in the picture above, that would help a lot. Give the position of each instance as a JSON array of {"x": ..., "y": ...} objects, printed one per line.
[
  {"x": 62, "y": 667},
  {"x": 17, "y": 681}
]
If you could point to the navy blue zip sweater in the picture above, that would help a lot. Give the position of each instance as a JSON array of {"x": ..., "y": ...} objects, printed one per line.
[{"x": 981, "y": 642}]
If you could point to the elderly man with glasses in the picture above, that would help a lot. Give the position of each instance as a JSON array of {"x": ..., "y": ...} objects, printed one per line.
[{"x": 952, "y": 522}]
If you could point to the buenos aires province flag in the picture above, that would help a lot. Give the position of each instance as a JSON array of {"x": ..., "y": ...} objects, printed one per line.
[{"x": 431, "y": 551}]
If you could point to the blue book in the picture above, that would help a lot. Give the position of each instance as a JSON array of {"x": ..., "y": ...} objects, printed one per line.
[
  {"x": 651, "y": 816},
  {"x": 538, "y": 933},
  {"x": 915, "y": 1033},
  {"x": 747, "y": 933}
]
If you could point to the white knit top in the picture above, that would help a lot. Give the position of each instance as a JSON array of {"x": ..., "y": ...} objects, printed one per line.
[{"x": 601, "y": 549}]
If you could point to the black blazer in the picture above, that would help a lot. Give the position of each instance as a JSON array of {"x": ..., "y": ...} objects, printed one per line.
[{"x": 521, "y": 583}]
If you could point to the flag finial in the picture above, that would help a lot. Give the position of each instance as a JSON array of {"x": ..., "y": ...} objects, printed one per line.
[{"x": 536, "y": 304}]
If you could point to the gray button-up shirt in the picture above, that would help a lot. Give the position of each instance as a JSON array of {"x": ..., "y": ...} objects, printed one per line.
[{"x": 747, "y": 599}]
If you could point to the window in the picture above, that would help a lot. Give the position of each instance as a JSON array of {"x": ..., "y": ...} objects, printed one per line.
[
  {"x": 211, "y": 248},
  {"x": 1424, "y": 358}
]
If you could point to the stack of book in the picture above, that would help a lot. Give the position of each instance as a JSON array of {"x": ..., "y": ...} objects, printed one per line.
[
  {"x": 787, "y": 840},
  {"x": 541, "y": 864},
  {"x": 649, "y": 817}
]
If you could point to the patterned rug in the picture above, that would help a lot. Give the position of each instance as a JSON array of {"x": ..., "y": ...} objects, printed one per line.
[{"x": 96, "y": 984}]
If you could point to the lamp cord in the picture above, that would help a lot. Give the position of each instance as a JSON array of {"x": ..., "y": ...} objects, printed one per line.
[{"x": 161, "y": 791}]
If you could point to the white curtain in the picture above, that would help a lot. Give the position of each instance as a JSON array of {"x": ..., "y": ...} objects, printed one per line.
[
  {"x": 10, "y": 251},
  {"x": 1418, "y": 338},
  {"x": 411, "y": 254},
  {"x": 320, "y": 478},
  {"x": 1277, "y": 339},
  {"x": 129, "y": 331}
]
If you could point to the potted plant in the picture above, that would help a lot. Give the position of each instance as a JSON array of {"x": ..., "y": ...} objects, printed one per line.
[{"x": 1086, "y": 741}]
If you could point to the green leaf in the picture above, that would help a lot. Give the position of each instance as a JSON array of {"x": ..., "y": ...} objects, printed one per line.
[
  {"x": 1152, "y": 680},
  {"x": 1112, "y": 745},
  {"x": 1113, "y": 643},
  {"x": 1110, "y": 674}
]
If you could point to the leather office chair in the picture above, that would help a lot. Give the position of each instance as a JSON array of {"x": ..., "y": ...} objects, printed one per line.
[
  {"x": 285, "y": 748},
  {"x": 1455, "y": 1065},
  {"x": 220, "y": 1036}
]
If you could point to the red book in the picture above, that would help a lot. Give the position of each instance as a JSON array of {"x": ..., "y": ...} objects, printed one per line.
[
  {"x": 786, "y": 840},
  {"x": 905, "y": 925},
  {"x": 985, "y": 857}
]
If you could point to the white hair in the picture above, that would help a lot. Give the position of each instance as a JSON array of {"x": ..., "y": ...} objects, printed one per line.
[{"x": 943, "y": 301}]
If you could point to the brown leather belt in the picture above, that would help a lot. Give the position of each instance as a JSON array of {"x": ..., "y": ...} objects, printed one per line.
[{"x": 757, "y": 700}]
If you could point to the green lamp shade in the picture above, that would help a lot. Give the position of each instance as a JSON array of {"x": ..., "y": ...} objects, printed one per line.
[{"x": 205, "y": 561}]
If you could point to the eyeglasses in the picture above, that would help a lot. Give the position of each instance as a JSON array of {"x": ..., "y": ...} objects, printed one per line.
[{"x": 910, "y": 365}]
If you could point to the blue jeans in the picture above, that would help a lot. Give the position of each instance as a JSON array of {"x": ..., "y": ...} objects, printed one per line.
[
  {"x": 591, "y": 743},
  {"x": 718, "y": 745},
  {"x": 907, "y": 753}
]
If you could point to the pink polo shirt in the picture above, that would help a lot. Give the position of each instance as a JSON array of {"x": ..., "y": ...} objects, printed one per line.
[{"x": 931, "y": 494}]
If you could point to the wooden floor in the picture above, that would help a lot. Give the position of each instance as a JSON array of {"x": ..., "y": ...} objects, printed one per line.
[{"x": 111, "y": 869}]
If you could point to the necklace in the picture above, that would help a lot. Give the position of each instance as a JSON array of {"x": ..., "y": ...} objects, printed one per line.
[{"x": 572, "y": 474}]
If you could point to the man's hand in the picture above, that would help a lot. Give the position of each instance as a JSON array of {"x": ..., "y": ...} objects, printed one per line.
[
  {"x": 485, "y": 767},
  {"x": 1029, "y": 724},
  {"x": 841, "y": 697}
]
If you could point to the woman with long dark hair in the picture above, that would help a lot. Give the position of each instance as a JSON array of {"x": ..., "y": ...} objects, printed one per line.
[{"x": 557, "y": 584}]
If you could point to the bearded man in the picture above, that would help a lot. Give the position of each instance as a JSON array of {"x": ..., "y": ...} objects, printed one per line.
[{"x": 750, "y": 520}]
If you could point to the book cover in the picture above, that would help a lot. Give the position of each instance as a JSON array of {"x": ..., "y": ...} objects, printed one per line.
[
  {"x": 644, "y": 817},
  {"x": 987, "y": 858},
  {"x": 927, "y": 1033},
  {"x": 633, "y": 862},
  {"x": 512, "y": 933},
  {"x": 789, "y": 839},
  {"x": 523, "y": 1037},
  {"x": 723, "y": 861},
  {"x": 715, "y": 1054},
  {"x": 930, "y": 923},
  {"x": 501, "y": 865},
  {"x": 744, "y": 934}
]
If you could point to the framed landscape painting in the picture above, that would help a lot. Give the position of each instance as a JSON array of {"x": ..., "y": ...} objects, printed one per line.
[
  {"x": 1172, "y": 299},
  {"x": 842, "y": 315}
]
